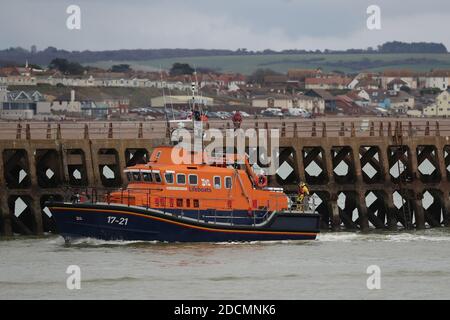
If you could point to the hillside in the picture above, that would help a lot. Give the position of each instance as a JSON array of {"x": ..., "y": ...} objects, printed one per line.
[
  {"x": 18, "y": 55},
  {"x": 348, "y": 63}
]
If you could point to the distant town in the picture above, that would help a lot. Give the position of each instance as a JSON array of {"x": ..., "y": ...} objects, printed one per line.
[{"x": 69, "y": 91}]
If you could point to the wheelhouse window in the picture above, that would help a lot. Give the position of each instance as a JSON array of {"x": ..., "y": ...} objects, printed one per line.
[
  {"x": 228, "y": 182},
  {"x": 193, "y": 179},
  {"x": 136, "y": 176},
  {"x": 158, "y": 178},
  {"x": 147, "y": 176},
  {"x": 217, "y": 182},
  {"x": 181, "y": 178},
  {"x": 129, "y": 176},
  {"x": 169, "y": 177}
]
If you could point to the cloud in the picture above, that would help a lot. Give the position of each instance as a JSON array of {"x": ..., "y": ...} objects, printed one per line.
[{"x": 232, "y": 24}]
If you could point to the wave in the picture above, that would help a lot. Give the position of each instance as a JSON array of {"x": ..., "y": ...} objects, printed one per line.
[
  {"x": 431, "y": 235},
  {"x": 92, "y": 242}
]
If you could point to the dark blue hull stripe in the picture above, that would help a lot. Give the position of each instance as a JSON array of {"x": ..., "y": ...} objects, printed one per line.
[{"x": 123, "y": 224}]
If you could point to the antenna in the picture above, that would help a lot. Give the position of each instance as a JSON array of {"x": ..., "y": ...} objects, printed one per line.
[
  {"x": 197, "y": 123},
  {"x": 164, "y": 99}
]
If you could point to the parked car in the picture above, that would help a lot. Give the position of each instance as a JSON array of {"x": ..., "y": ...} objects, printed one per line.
[
  {"x": 212, "y": 115},
  {"x": 223, "y": 115},
  {"x": 298, "y": 112},
  {"x": 272, "y": 112},
  {"x": 243, "y": 114}
]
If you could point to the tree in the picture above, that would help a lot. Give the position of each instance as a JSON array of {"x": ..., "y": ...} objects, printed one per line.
[
  {"x": 259, "y": 75},
  {"x": 121, "y": 68},
  {"x": 415, "y": 47},
  {"x": 66, "y": 67},
  {"x": 181, "y": 69},
  {"x": 405, "y": 89}
]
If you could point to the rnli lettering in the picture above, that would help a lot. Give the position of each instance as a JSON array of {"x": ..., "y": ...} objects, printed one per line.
[{"x": 199, "y": 189}]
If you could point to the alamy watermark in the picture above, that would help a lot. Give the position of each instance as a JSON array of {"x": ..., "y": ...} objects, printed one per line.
[
  {"x": 207, "y": 146},
  {"x": 73, "y": 22},
  {"x": 73, "y": 281},
  {"x": 374, "y": 19},
  {"x": 374, "y": 280}
]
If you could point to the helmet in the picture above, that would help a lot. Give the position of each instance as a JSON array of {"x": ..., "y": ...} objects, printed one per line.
[{"x": 302, "y": 184}]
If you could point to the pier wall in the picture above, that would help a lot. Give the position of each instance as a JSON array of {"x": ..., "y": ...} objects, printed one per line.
[{"x": 388, "y": 175}]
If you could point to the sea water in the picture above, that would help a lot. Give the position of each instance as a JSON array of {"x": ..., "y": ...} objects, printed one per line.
[{"x": 412, "y": 265}]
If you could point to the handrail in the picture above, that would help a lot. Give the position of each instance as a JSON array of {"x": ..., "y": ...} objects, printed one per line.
[
  {"x": 98, "y": 194},
  {"x": 291, "y": 127}
]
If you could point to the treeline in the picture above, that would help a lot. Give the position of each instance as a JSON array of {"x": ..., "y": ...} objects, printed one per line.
[
  {"x": 13, "y": 56},
  {"x": 418, "y": 47},
  {"x": 18, "y": 55}
]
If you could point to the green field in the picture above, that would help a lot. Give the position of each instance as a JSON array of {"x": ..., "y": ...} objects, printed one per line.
[{"x": 348, "y": 63}]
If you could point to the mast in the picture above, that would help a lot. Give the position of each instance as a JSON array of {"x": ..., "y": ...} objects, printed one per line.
[
  {"x": 197, "y": 119},
  {"x": 165, "y": 104}
]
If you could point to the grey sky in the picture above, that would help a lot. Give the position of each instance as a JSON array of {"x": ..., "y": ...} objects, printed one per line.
[{"x": 225, "y": 24}]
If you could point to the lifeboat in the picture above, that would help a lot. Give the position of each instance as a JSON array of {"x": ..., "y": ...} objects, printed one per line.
[
  {"x": 208, "y": 202},
  {"x": 203, "y": 199}
]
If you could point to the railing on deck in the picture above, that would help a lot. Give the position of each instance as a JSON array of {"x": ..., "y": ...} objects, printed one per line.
[{"x": 168, "y": 205}]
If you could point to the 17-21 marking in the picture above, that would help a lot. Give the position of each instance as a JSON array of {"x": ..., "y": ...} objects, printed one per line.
[{"x": 119, "y": 221}]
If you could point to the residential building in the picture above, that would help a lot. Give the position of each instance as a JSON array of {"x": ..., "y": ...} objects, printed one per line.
[
  {"x": 273, "y": 101},
  {"x": 347, "y": 105},
  {"x": 94, "y": 110},
  {"x": 359, "y": 100},
  {"x": 405, "y": 75},
  {"x": 329, "y": 99},
  {"x": 396, "y": 84},
  {"x": 3, "y": 93},
  {"x": 441, "y": 108},
  {"x": 378, "y": 98},
  {"x": 435, "y": 80},
  {"x": 16, "y": 105},
  {"x": 65, "y": 105},
  {"x": 402, "y": 102},
  {"x": 328, "y": 83},
  {"x": 363, "y": 81},
  {"x": 117, "y": 106},
  {"x": 315, "y": 105},
  {"x": 302, "y": 74}
]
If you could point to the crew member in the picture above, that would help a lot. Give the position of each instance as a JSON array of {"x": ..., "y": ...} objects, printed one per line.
[
  {"x": 197, "y": 115},
  {"x": 303, "y": 191},
  {"x": 76, "y": 198},
  {"x": 237, "y": 120}
]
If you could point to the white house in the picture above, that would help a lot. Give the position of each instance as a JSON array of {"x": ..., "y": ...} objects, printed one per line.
[
  {"x": 434, "y": 82},
  {"x": 310, "y": 104},
  {"x": 280, "y": 101},
  {"x": 20, "y": 80},
  {"x": 396, "y": 85},
  {"x": 440, "y": 108},
  {"x": 408, "y": 77}
]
